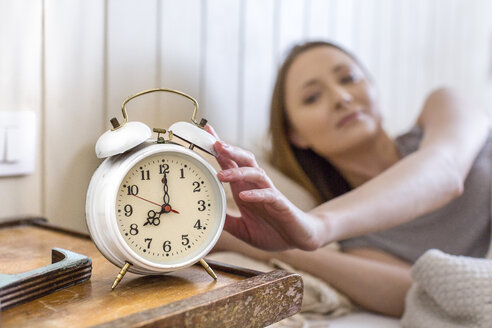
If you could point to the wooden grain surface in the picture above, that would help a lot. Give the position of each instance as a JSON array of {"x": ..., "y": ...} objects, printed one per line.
[
  {"x": 92, "y": 302},
  {"x": 185, "y": 298}
]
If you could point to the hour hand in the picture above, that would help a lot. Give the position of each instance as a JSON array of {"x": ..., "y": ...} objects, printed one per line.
[{"x": 153, "y": 218}]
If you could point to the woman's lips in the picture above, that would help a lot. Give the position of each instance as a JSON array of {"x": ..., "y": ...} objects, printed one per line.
[{"x": 348, "y": 118}]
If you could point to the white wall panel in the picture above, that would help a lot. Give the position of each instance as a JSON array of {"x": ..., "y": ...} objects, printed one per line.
[
  {"x": 291, "y": 26},
  {"x": 332, "y": 20},
  {"x": 475, "y": 67},
  {"x": 403, "y": 105},
  {"x": 20, "y": 89},
  {"x": 423, "y": 48},
  {"x": 384, "y": 75},
  {"x": 412, "y": 99},
  {"x": 318, "y": 16},
  {"x": 74, "y": 114},
  {"x": 448, "y": 31},
  {"x": 225, "y": 53},
  {"x": 460, "y": 52},
  {"x": 345, "y": 23},
  {"x": 20, "y": 55},
  {"x": 439, "y": 33},
  {"x": 485, "y": 96},
  {"x": 365, "y": 34},
  {"x": 480, "y": 40},
  {"x": 259, "y": 71},
  {"x": 180, "y": 57},
  {"x": 219, "y": 95},
  {"x": 132, "y": 45}
]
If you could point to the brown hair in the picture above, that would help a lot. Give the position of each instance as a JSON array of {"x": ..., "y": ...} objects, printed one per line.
[{"x": 304, "y": 166}]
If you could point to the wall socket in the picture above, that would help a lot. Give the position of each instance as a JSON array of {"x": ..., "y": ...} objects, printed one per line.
[{"x": 17, "y": 142}]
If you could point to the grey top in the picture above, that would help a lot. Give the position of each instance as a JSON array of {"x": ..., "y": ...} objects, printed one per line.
[{"x": 462, "y": 227}]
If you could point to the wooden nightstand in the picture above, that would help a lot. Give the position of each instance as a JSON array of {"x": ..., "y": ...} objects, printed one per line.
[{"x": 187, "y": 298}]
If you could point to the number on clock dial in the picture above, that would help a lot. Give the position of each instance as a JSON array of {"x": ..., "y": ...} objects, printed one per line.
[{"x": 164, "y": 207}]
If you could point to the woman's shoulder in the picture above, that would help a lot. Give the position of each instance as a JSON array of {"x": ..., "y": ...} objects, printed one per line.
[{"x": 409, "y": 142}]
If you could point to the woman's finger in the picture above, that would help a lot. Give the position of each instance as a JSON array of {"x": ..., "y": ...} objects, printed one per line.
[
  {"x": 266, "y": 195},
  {"x": 212, "y": 131},
  {"x": 254, "y": 175},
  {"x": 225, "y": 151},
  {"x": 240, "y": 156},
  {"x": 226, "y": 163}
]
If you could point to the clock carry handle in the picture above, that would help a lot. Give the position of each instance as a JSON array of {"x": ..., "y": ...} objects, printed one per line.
[{"x": 117, "y": 125}]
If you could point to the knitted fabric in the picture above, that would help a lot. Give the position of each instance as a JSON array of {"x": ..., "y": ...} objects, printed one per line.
[{"x": 449, "y": 291}]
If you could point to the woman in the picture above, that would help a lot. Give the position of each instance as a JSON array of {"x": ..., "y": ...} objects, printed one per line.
[{"x": 327, "y": 135}]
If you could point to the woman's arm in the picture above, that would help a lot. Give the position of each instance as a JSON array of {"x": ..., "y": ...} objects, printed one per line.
[
  {"x": 454, "y": 128},
  {"x": 421, "y": 182},
  {"x": 375, "y": 285},
  {"x": 427, "y": 179}
]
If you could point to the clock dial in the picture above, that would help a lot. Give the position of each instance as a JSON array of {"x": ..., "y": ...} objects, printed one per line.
[{"x": 165, "y": 208}]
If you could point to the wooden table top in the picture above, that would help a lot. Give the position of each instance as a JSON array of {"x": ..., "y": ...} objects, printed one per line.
[{"x": 182, "y": 298}]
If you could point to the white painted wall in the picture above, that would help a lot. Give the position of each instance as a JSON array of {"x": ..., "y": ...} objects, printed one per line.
[{"x": 73, "y": 63}]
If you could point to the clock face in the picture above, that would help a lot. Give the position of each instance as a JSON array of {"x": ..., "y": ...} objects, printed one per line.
[{"x": 165, "y": 208}]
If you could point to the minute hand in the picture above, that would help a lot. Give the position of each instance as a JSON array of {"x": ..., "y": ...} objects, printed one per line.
[
  {"x": 162, "y": 206},
  {"x": 166, "y": 194}
]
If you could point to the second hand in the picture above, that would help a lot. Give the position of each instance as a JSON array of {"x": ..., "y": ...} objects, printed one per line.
[{"x": 174, "y": 211}]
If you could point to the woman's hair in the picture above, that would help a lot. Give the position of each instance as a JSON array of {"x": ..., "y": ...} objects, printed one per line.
[{"x": 304, "y": 166}]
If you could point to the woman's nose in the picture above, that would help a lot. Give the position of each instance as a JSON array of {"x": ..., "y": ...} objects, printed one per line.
[{"x": 341, "y": 97}]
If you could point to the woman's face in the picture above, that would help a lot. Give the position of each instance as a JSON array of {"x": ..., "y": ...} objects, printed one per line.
[{"x": 330, "y": 103}]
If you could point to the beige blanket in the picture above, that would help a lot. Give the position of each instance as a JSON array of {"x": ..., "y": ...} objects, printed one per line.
[
  {"x": 320, "y": 301},
  {"x": 449, "y": 291}
]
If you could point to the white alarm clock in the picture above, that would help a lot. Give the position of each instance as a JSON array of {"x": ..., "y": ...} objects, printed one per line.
[{"x": 155, "y": 206}]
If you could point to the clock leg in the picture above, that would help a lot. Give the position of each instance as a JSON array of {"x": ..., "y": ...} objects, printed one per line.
[
  {"x": 120, "y": 275},
  {"x": 208, "y": 269}
]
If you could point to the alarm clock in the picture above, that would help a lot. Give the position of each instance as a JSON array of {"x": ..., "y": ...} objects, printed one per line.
[{"x": 154, "y": 205}]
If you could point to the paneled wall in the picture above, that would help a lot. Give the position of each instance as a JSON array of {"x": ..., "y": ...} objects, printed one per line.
[{"x": 74, "y": 62}]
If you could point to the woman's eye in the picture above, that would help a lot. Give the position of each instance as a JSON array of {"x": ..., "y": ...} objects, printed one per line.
[
  {"x": 311, "y": 98},
  {"x": 349, "y": 78}
]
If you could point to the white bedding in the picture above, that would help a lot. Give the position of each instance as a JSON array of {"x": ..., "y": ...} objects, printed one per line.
[
  {"x": 363, "y": 319},
  {"x": 352, "y": 320}
]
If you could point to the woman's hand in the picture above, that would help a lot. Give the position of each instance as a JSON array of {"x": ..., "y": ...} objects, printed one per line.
[{"x": 268, "y": 219}]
